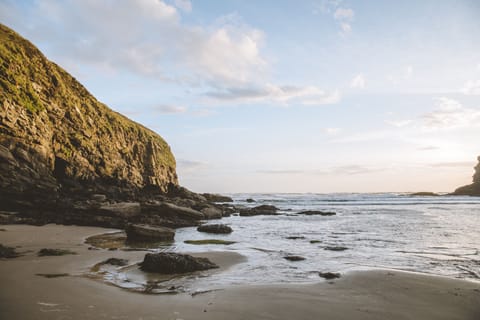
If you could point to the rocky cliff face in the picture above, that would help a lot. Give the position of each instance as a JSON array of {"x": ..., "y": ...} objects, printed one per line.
[
  {"x": 56, "y": 138},
  {"x": 474, "y": 188}
]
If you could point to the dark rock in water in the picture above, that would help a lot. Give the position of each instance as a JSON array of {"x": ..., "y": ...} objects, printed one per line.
[
  {"x": 315, "y": 241},
  {"x": 215, "y": 228},
  {"x": 7, "y": 252},
  {"x": 295, "y": 237},
  {"x": 209, "y": 241},
  {"x": 212, "y": 213},
  {"x": 116, "y": 262},
  {"x": 171, "y": 263},
  {"x": 54, "y": 252},
  {"x": 250, "y": 200},
  {"x": 425, "y": 194},
  {"x": 294, "y": 258},
  {"x": 336, "y": 248},
  {"x": 216, "y": 198},
  {"x": 317, "y": 213},
  {"x": 264, "y": 209},
  {"x": 329, "y": 275},
  {"x": 141, "y": 232},
  {"x": 474, "y": 188}
]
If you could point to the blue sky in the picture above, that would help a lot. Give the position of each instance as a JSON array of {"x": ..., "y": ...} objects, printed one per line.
[{"x": 282, "y": 96}]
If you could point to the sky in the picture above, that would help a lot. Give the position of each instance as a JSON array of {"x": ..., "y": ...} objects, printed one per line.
[{"x": 282, "y": 96}]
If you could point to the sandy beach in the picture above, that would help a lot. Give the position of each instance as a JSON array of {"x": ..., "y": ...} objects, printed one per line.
[{"x": 377, "y": 294}]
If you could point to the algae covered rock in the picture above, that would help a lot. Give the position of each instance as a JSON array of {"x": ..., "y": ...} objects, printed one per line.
[{"x": 171, "y": 263}]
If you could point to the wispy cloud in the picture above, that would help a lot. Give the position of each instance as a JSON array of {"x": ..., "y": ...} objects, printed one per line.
[
  {"x": 169, "y": 109},
  {"x": 449, "y": 114},
  {"x": 471, "y": 88},
  {"x": 270, "y": 93},
  {"x": 358, "y": 82},
  {"x": 190, "y": 166},
  {"x": 332, "y": 131},
  {"x": 399, "y": 123},
  {"x": 184, "y": 5},
  {"x": 453, "y": 164},
  {"x": 342, "y": 15},
  {"x": 337, "y": 170}
]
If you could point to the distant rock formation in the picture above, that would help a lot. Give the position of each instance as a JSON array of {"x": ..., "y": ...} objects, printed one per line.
[
  {"x": 56, "y": 139},
  {"x": 474, "y": 188}
]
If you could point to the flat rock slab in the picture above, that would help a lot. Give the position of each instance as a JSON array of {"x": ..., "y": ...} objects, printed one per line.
[
  {"x": 143, "y": 232},
  {"x": 215, "y": 228},
  {"x": 317, "y": 213},
  {"x": 171, "y": 263},
  {"x": 166, "y": 209},
  {"x": 122, "y": 209}
]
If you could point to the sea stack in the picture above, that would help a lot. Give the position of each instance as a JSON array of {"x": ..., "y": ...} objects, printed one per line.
[
  {"x": 58, "y": 142},
  {"x": 474, "y": 188}
]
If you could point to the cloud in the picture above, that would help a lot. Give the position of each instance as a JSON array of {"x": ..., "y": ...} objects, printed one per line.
[
  {"x": 408, "y": 72},
  {"x": 427, "y": 148},
  {"x": 343, "y": 14},
  {"x": 146, "y": 37},
  {"x": 332, "y": 131},
  {"x": 190, "y": 166},
  {"x": 471, "y": 88},
  {"x": 358, "y": 82},
  {"x": 184, "y": 5},
  {"x": 399, "y": 123},
  {"x": 337, "y": 170},
  {"x": 454, "y": 164},
  {"x": 169, "y": 109},
  {"x": 270, "y": 93},
  {"x": 450, "y": 114}
]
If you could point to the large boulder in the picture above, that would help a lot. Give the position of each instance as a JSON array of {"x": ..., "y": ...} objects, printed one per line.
[
  {"x": 216, "y": 197},
  {"x": 212, "y": 213},
  {"x": 215, "y": 228},
  {"x": 170, "y": 210},
  {"x": 125, "y": 210},
  {"x": 170, "y": 263},
  {"x": 264, "y": 209},
  {"x": 141, "y": 232}
]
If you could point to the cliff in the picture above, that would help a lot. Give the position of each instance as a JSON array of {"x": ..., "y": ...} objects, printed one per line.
[
  {"x": 474, "y": 188},
  {"x": 57, "y": 140}
]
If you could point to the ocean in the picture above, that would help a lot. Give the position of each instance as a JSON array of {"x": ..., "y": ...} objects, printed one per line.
[{"x": 436, "y": 235}]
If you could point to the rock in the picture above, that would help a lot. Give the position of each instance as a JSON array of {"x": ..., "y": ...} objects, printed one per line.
[
  {"x": 116, "y": 262},
  {"x": 294, "y": 258},
  {"x": 216, "y": 198},
  {"x": 170, "y": 210},
  {"x": 7, "y": 252},
  {"x": 250, "y": 200},
  {"x": 215, "y": 228},
  {"x": 54, "y": 252},
  {"x": 315, "y": 241},
  {"x": 209, "y": 241},
  {"x": 336, "y": 248},
  {"x": 126, "y": 210},
  {"x": 425, "y": 194},
  {"x": 474, "y": 188},
  {"x": 317, "y": 213},
  {"x": 140, "y": 232},
  {"x": 260, "y": 210},
  {"x": 329, "y": 275},
  {"x": 295, "y": 237},
  {"x": 99, "y": 197},
  {"x": 171, "y": 263},
  {"x": 212, "y": 213}
]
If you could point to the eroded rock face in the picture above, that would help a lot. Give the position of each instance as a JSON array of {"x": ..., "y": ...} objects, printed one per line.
[
  {"x": 474, "y": 188},
  {"x": 170, "y": 263},
  {"x": 57, "y": 139}
]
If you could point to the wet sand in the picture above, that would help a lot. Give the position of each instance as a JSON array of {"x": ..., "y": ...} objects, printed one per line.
[{"x": 380, "y": 294}]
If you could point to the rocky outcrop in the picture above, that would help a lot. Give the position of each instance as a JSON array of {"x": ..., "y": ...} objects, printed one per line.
[
  {"x": 474, "y": 188},
  {"x": 170, "y": 263},
  {"x": 58, "y": 141}
]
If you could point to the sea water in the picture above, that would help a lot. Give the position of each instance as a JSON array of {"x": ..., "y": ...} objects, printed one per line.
[{"x": 437, "y": 235}]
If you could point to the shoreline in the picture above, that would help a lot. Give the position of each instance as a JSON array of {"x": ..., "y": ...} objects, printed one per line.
[{"x": 373, "y": 294}]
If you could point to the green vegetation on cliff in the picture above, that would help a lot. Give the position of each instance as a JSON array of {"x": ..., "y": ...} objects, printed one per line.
[{"x": 52, "y": 130}]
